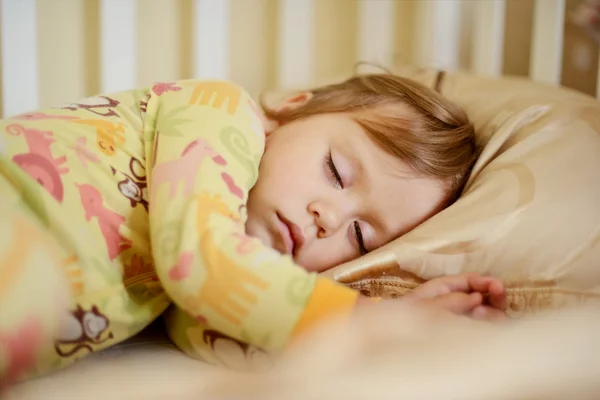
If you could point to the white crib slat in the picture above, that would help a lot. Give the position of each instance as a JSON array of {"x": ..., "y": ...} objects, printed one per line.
[
  {"x": 211, "y": 39},
  {"x": 547, "y": 41},
  {"x": 296, "y": 47},
  {"x": 19, "y": 56},
  {"x": 488, "y": 37},
  {"x": 438, "y": 41},
  {"x": 376, "y": 31},
  {"x": 118, "y": 45}
]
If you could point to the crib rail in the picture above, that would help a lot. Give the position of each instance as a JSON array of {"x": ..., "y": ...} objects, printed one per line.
[
  {"x": 54, "y": 50},
  {"x": 547, "y": 44}
]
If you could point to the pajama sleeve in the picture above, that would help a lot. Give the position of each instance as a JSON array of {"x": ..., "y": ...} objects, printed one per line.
[{"x": 204, "y": 141}]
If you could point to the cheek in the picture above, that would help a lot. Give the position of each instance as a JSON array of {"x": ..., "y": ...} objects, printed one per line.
[
  {"x": 287, "y": 173},
  {"x": 324, "y": 254}
]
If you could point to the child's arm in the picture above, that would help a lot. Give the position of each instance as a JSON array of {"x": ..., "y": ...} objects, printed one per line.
[
  {"x": 481, "y": 297},
  {"x": 203, "y": 146}
]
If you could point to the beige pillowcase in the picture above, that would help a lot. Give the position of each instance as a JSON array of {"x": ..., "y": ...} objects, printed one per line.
[{"x": 530, "y": 214}]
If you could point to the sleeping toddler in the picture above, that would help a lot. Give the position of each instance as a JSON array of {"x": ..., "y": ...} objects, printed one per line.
[{"x": 189, "y": 201}]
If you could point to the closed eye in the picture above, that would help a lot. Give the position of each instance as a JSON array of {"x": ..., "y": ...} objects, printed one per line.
[
  {"x": 359, "y": 239},
  {"x": 336, "y": 175},
  {"x": 340, "y": 184}
]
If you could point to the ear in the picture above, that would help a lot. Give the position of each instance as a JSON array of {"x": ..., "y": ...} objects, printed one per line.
[
  {"x": 297, "y": 100},
  {"x": 269, "y": 124}
]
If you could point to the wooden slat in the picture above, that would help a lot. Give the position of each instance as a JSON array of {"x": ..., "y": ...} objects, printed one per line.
[
  {"x": 438, "y": 34},
  {"x": 376, "y": 31},
  {"x": 598, "y": 81},
  {"x": 118, "y": 45},
  {"x": 296, "y": 46},
  {"x": 211, "y": 39},
  {"x": 336, "y": 50},
  {"x": 61, "y": 81},
  {"x": 19, "y": 56},
  {"x": 488, "y": 37},
  {"x": 252, "y": 39},
  {"x": 164, "y": 41},
  {"x": 547, "y": 41}
]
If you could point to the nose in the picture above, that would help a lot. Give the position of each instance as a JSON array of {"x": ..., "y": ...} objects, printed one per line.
[{"x": 330, "y": 216}]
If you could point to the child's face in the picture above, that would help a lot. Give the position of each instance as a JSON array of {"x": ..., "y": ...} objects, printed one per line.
[{"x": 300, "y": 207}]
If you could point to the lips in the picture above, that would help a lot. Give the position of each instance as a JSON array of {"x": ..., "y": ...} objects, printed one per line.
[{"x": 291, "y": 235}]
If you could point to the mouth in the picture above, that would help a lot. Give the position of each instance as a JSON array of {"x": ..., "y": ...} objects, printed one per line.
[{"x": 291, "y": 235}]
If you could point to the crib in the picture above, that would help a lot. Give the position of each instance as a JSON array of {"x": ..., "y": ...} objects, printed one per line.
[{"x": 54, "y": 51}]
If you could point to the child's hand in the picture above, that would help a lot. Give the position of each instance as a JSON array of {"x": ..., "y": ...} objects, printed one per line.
[{"x": 480, "y": 297}]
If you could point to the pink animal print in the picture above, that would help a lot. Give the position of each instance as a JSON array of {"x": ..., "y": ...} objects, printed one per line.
[
  {"x": 163, "y": 87},
  {"x": 108, "y": 221},
  {"x": 36, "y": 116},
  {"x": 39, "y": 163},
  {"x": 233, "y": 188},
  {"x": 83, "y": 153},
  {"x": 185, "y": 169},
  {"x": 20, "y": 349},
  {"x": 181, "y": 270}
]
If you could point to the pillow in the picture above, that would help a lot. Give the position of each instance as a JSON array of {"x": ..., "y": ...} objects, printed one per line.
[{"x": 530, "y": 213}]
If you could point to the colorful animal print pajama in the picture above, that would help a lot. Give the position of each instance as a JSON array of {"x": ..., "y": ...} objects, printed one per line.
[{"x": 120, "y": 206}]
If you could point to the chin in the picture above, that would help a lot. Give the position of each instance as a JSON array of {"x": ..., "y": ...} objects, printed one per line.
[{"x": 306, "y": 265}]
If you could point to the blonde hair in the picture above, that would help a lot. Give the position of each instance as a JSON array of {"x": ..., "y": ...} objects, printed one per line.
[{"x": 430, "y": 133}]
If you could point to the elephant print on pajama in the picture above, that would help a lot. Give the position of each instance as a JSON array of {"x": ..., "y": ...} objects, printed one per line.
[
  {"x": 184, "y": 169},
  {"x": 220, "y": 91},
  {"x": 39, "y": 163}
]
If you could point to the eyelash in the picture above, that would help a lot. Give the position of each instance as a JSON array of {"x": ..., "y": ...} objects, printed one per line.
[
  {"x": 339, "y": 182},
  {"x": 334, "y": 171}
]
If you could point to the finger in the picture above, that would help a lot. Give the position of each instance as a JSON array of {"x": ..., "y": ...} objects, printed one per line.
[
  {"x": 486, "y": 313},
  {"x": 430, "y": 289},
  {"x": 497, "y": 295},
  {"x": 466, "y": 283},
  {"x": 480, "y": 283},
  {"x": 444, "y": 285},
  {"x": 457, "y": 302},
  {"x": 462, "y": 282}
]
